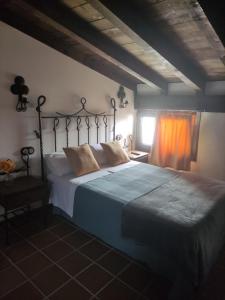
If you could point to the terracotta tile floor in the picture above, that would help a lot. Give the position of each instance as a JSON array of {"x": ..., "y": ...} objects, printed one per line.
[{"x": 62, "y": 262}]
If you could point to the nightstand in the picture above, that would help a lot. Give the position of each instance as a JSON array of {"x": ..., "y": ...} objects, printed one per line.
[
  {"x": 20, "y": 193},
  {"x": 138, "y": 156}
]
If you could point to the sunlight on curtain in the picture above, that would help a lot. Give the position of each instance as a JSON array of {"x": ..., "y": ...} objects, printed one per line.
[{"x": 173, "y": 141}]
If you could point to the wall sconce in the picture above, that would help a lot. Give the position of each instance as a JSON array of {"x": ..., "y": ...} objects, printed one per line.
[
  {"x": 122, "y": 95},
  {"x": 19, "y": 88}
]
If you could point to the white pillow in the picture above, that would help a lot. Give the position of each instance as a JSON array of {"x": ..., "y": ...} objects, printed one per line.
[
  {"x": 99, "y": 154},
  {"x": 57, "y": 164},
  {"x": 58, "y": 153}
]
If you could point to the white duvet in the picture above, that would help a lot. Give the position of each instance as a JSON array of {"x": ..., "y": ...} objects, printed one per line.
[{"x": 63, "y": 188}]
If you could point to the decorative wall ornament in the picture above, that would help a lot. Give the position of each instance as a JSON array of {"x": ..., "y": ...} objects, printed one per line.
[
  {"x": 122, "y": 95},
  {"x": 26, "y": 152},
  {"x": 19, "y": 88}
]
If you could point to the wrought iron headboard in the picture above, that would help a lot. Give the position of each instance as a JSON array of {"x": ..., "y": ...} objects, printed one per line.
[{"x": 77, "y": 116}]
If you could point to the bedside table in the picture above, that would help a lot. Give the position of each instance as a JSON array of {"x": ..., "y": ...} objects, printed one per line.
[
  {"x": 138, "y": 156},
  {"x": 20, "y": 193}
]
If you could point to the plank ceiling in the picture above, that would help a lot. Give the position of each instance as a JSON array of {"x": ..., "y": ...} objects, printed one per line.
[
  {"x": 187, "y": 37},
  {"x": 150, "y": 57},
  {"x": 184, "y": 20}
]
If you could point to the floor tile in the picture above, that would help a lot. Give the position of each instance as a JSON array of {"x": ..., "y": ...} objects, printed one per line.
[
  {"x": 57, "y": 284},
  {"x": 43, "y": 239},
  {"x": 58, "y": 250},
  {"x": 50, "y": 279},
  {"x": 94, "y": 249},
  {"x": 113, "y": 262},
  {"x": 77, "y": 239},
  {"x": 94, "y": 278},
  {"x": 34, "y": 264},
  {"x": 136, "y": 276},
  {"x": 117, "y": 290},
  {"x": 74, "y": 263},
  {"x": 19, "y": 251},
  {"x": 25, "y": 292},
  {"x": 53, "y": 220},
  {"x": 71, "y": 291},
  {"x": 9, "y": 279},
  {"x": 63, "y": 229},
  {"x": 4, "y": 262}
]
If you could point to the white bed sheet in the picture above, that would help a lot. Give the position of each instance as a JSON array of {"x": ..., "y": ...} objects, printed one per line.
[{"x": 63, "y": 188}]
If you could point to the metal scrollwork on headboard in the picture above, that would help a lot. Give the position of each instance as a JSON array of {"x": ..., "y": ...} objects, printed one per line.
[
  {"x": 87, "y": 121},
  {"x": 98, "y": 119},
  {"x": 55, "y": 126},
  {"x": 97, "y": 126},
  {"x": 78, "y": 129},
  {"x": 40, "y": 102},
  {"x": 68, "y": 121},
  {"x": 113, "y": 103},
  {"x": 105, "y": 121}
]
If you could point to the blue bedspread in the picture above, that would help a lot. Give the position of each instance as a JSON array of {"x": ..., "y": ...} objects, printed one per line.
[{"x": 174, "y": 221}]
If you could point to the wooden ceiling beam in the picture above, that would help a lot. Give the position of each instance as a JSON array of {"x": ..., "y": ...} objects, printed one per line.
[
  {"x": 98, "y": 43},
  {"x": 60, "y": 43},
  {"x": 146, "y": 32},
  {"x": 171, "y": 102}
]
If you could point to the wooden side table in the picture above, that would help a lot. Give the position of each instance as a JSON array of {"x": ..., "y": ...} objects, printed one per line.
[
  {"x": 20, "y": 193},
  {"x": 138, "y": 156}
]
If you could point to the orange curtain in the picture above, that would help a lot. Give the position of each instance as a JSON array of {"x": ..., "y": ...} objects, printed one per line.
[{"x": 173, "y": 141}]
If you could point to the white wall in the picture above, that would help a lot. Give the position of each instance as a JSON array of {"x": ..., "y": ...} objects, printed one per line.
[
  {"x": 211, "y": 147},
  {"x": 62, "y": 80}
]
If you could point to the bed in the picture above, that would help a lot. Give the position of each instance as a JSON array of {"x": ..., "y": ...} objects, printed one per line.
[{"x": 173, "y": 221}]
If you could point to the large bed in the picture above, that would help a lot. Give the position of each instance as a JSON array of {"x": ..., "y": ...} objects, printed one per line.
[{"x": 172, "y": 221}]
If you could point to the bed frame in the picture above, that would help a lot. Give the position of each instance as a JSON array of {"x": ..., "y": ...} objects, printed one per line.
[{"x": 84, "y": 114}]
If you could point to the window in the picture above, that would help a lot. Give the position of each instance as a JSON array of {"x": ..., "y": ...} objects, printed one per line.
[
  {"x": 147, "y": 130},
  {"x": 146, "y": 126}
]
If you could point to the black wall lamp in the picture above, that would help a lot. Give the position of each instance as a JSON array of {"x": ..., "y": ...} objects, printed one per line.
[
  {"x": 19, "y": 88},
  {"x": 122, "y": 95}
]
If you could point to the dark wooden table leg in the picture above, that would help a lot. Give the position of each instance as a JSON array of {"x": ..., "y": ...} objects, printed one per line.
[{"x": 6, "y": 227}]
